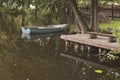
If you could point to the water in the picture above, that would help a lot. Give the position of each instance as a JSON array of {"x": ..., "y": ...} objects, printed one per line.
[{"x": 47, "y": 58}]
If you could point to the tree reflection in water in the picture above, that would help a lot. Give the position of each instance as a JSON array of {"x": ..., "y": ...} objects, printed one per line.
[{"x": 40, "y": 59}]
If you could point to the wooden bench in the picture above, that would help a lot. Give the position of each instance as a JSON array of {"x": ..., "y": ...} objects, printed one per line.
[{"x": 93, "y": 35}]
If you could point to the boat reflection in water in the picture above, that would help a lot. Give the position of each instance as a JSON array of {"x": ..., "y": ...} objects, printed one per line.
[
  {"x": 42, "y": 39},
  {"x": 37, "y": 36}
]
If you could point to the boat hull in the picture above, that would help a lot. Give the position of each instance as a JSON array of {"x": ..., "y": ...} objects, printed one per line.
[
  {"x": 46, "y": 30},
  {"x": 41, "y": 30}
]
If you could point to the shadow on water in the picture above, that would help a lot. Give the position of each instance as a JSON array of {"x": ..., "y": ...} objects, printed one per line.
[{"x": 45, "y": 57}]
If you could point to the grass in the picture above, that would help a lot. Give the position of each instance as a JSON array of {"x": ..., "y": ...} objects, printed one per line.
[{"x": 113, "y": 24}]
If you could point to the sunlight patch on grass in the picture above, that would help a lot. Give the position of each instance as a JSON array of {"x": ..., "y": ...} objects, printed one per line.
[{"x": 112, "y": 24}]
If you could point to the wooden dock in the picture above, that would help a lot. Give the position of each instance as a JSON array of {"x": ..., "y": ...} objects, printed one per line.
[{"x": 101, "y": 41}]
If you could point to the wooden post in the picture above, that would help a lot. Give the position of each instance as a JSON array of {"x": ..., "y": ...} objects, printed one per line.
[
  {"x": 78, "y": 49},
  {"x": 94, "y": 15},
  {"x": 66, "y": 45},
  {"x": 113, "y": 10}
]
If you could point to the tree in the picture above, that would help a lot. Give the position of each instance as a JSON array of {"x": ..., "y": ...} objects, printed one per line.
[
  {"x": 53, "y": 11},
  {"x": 78, "y": 16}
]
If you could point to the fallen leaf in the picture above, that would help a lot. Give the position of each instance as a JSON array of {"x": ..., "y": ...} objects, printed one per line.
[{"x": 98, "y": 71}]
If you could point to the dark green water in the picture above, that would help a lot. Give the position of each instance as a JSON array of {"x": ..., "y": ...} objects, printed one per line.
[{"x": 46, "y": 58}]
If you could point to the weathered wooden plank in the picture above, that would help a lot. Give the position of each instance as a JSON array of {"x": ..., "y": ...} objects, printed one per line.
[
  {"x": 101, "y": 41},
  {"x": 101, "y": 34}
]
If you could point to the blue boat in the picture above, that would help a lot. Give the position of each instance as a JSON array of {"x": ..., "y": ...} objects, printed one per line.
[{"x": 42, "y": 30}]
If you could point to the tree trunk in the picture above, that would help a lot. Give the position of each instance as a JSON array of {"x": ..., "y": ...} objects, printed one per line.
[
  {"x": 78, "y": 16},
  {"x": 94, "y": 15},
  {"x": 23, "y": 20},
  {"x": 113, "y": 11}
]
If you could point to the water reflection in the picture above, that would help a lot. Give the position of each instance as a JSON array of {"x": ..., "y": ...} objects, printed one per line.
[
  {"x": 84, "y": 69},
  {"x": 39, "y": 58}
]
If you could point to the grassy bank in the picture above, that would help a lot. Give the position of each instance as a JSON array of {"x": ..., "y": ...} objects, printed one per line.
[{"x": 115, "y": 24}]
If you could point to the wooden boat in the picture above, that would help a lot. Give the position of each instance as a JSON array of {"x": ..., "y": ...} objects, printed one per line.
[{"x": 46, "y": 29}]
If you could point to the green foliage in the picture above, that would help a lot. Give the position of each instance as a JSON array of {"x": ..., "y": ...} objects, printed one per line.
[
  {"x": 44, "y": 12},
  {"x": 106, "y": 1},
  {"x": 9, "y": 24},
  {"x": 44, "y": 18},
  {"x": 113, "y": 55},
  {"x": 116, "y": 32},
  {"x": 109, "y": 56},
  {"x": 114, "y": 26}
]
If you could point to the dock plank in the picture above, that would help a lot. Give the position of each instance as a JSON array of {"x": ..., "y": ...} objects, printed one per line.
[{"x": 101, "y": 41}]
